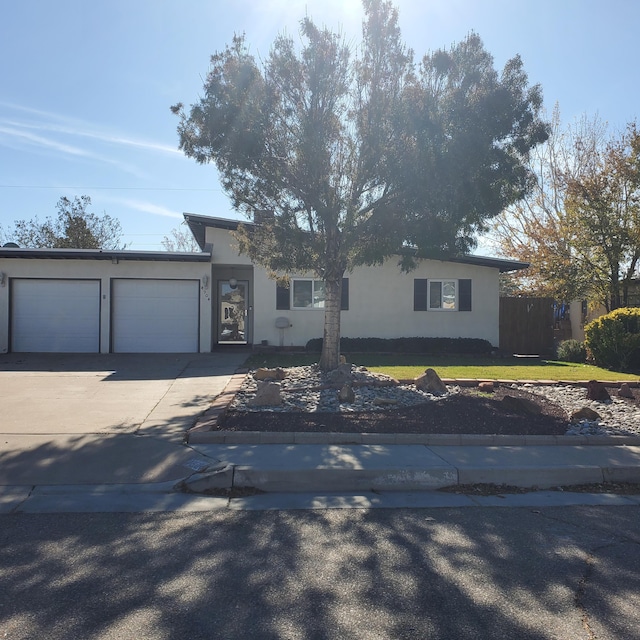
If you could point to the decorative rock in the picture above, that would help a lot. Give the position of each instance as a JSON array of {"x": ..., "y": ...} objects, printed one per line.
[
  {"x": 269, "y": 374},
  {"x": 430, "y": 382},
  {"x": 585, "y": 414},
  {"x": 341, "y": 375},
  {"x": 346, "y": 394},
  {"x": 625, "y": 391},
  {"x": 267, "y": 394},
  {"x": 486, "y": 387},
  {"x": 521, "y": 406},
  {"x": 597, "y": 391},
  {"x": 386, "y": 382},
  {"x": 379, "y": 401}
]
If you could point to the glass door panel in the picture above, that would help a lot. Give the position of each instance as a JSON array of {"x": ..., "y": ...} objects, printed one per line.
[{"x": 232, "y": 308}]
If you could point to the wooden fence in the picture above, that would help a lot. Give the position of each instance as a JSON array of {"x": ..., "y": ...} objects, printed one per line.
[{"x": 527, "y": 326}]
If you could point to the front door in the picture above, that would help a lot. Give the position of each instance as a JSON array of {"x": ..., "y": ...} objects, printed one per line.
[{"x": 233, "y": 310}]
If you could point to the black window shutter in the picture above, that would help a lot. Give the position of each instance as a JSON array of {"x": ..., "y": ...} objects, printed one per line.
[
  {"x": 464, "y": 291},
  {"x": 420, "y": 294},
  {"x": 344, "y": 302},
  {"x": 283, "y": 299}
]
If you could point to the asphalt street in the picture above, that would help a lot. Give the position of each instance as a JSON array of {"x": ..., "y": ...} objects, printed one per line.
[{"x": 527, "y": 573}]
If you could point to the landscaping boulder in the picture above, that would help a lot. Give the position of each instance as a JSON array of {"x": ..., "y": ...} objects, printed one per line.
[
  {"x": 586, "y": 413},
  {"x": 521, "y": 406},
  {"x": 346, "y": 394},
  {"x": 430, "y": 382},
  {"x": 270, "y": 374},
  {"x": 486, "y": 387},
  {"x": 597, "y": 391},
  {"x": 625, "y": 391},
  {"x": 267, "y": 395},
  {"x": 341, "y": 375}
]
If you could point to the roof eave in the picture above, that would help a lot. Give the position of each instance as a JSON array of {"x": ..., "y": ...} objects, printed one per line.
[{"x": 103, "y": 254}]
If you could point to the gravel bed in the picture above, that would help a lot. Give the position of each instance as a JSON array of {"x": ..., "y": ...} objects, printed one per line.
[{"x": 306, "y": 391}]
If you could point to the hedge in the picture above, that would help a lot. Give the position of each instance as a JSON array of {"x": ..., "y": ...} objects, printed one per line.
[{"x": 431, "y": 346}]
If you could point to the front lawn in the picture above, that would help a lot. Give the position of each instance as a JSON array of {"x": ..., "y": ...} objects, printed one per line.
[{"x": 407, "y": 366}]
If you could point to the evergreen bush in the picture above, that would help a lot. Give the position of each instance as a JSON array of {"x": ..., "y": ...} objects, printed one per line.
[
  {"x": 572, "y": 351},
  {"x": 431, "y": 346},
  {"x": 613, "y": 340}
]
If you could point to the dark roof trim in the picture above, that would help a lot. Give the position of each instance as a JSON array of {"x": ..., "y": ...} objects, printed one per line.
[
  {"x": 497, "y": 263},
  {"x": 104, "y": 254}
]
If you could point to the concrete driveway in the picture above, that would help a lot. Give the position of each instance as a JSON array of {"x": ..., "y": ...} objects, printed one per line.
[
  {"x": 82, "y": 418},
  {"x": 114, "y": 393}
]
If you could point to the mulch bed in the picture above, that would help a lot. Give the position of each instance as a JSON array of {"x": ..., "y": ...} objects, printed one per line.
[{"x": 466, "y": 412}]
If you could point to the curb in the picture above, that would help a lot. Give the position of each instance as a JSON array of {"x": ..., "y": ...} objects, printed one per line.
[{"x": 437, "y": 439}]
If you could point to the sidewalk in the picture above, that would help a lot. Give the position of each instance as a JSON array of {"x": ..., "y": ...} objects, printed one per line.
[
  {"x": 323, "y": 476},
  {"x": 380, "y": 467}
]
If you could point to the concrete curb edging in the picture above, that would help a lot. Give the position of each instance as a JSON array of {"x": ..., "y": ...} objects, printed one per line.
[{"x": 444, "y": 439}]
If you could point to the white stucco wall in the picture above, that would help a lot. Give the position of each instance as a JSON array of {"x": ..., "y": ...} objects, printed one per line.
[
  {"x": 380, "y": 301},
  {"x": 381, "y": 306},
  {"x": 104, "y": 270},
  {"x": 225, "y": 248}
]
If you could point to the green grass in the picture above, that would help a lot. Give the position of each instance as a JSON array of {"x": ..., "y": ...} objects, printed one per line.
[{"x": 407, "y": 366}]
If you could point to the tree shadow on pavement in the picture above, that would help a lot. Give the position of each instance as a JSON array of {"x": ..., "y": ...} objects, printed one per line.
[
  {"x": 438, "y": 574},
  {"x": 126, "y": 366},
  {"x": 93, "y": 459}
]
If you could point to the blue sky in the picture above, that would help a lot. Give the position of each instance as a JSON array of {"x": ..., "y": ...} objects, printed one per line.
[{"x": 87, "y": 86}]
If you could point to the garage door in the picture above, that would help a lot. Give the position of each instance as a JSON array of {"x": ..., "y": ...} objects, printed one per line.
[
  {"x": 154, "y": 316},
  {"x": 59, "y": 316}
]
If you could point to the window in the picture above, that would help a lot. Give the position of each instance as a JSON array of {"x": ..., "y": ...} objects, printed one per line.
[
  {"x": 441, "y": 295},
  {"x": 307, "y": 293}
]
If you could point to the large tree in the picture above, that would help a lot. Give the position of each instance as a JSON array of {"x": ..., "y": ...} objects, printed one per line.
[
  {"x": 73, "y": 228},
  {"x": 353, "y": 156}
]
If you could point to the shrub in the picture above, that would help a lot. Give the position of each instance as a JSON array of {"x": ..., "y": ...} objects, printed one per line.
[
  {"x": 614, "y": 339},
  {"x": 572, "y": 351},
  {"x": 431, "y": 346}
]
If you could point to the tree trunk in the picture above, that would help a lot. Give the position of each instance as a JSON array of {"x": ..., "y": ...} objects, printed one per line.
[{"x": 330, "y": 356}]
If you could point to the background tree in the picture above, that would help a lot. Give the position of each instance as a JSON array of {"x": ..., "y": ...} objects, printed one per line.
[
  {"x": 180, "y": 239},
  {"x": 356, "y": 157},
  {"x": 535, "y": 229},
  {"x": 578, "y": 227},
  {"x": 73, "y": 228},
  {"x": 603, "y": 213}
]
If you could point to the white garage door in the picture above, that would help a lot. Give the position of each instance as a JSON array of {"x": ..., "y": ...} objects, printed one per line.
[
  {"x": 59, "y": 316},
  {"x": 154, "y": 316}
]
